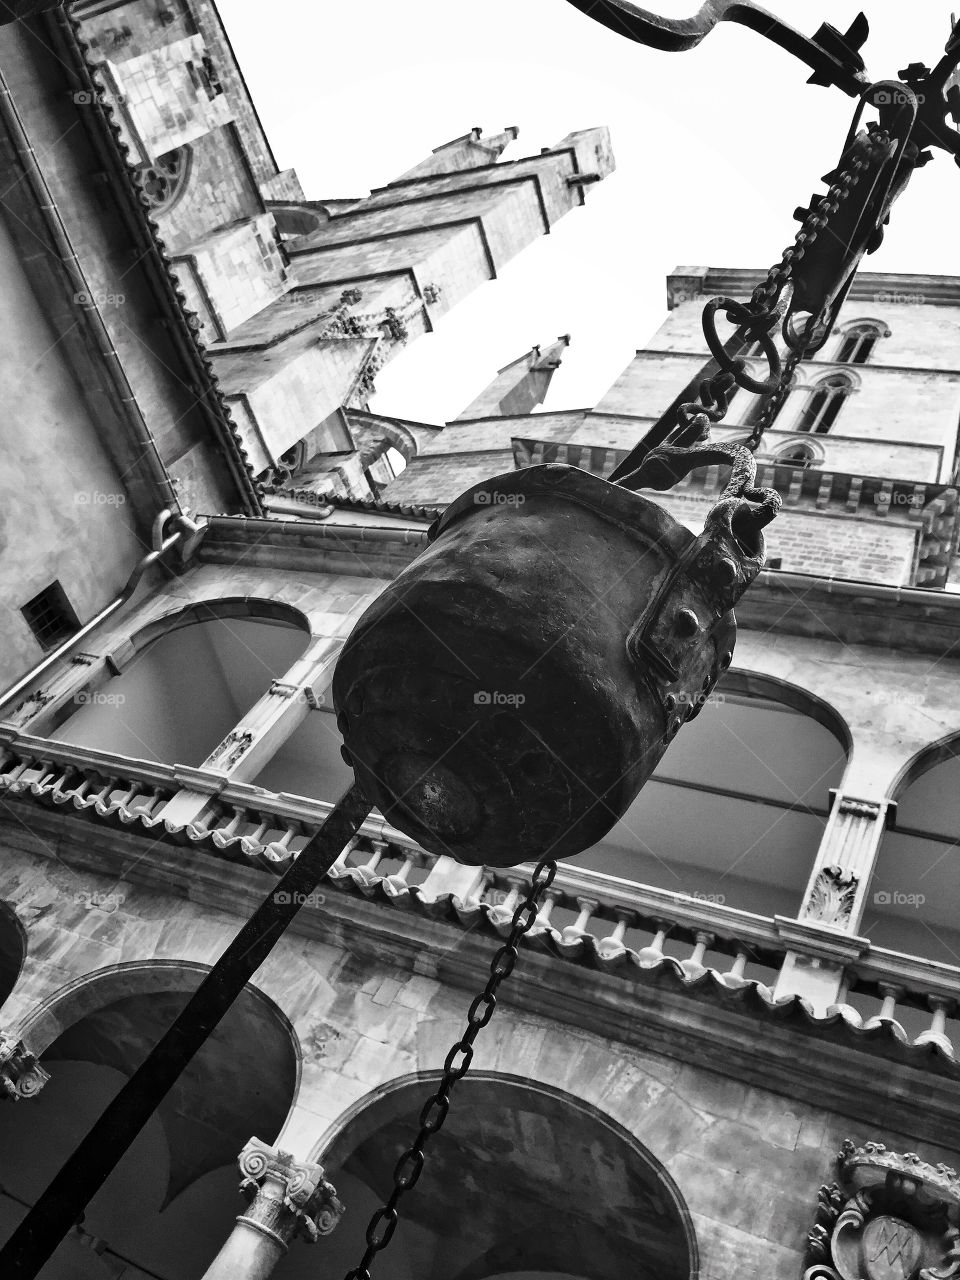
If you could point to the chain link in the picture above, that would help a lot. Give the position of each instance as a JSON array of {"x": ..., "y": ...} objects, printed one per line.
[
  {"x": 409, "y": 1167},
  {"x": 715, "y": 393}
]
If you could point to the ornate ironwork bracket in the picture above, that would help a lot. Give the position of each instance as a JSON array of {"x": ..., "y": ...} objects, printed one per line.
[{"x": 832, "y": 56}]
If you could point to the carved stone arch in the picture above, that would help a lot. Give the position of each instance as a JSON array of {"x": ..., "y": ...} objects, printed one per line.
[
  {"x": 800, "y": 450},
  {"x": 861, "y": 324},
  {"x": 755, "y": 684},
  {"x": 848, "y": 376},
  {"x": 220, "y": 607},
  {"x": 177, "y": 687},
  {"x": 927, "y": 758},
  {"x": 597, "y": 1157},
  {"x": 374, "y": 436},
  {"x": 245, "y": 1080},
  {"x": 167, "y": 1212},
  {"x": 914, "y": 904},
  {"x": 13, "y": 949}
]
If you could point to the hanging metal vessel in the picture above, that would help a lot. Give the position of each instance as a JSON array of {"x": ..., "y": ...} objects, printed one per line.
[{"x": 508, "y": 695}]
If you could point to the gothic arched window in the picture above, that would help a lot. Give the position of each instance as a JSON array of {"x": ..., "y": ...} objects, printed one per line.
[
  {"x": 797, "y": 454},
  {"x": 164, "y": 181},
  {"x": 824, "y": 404},
  {"x": 859, "y": 340}
]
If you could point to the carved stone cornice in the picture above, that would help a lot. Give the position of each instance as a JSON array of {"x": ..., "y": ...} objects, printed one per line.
[
  {"x": 288, "y": 1198},
  {"x": 230, "y": 750},
  {"x": 821, "y": 940},
  {"x": 21, "y": 1075}
]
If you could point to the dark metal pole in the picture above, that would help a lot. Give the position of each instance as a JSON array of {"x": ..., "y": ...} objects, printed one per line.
[{"x": 91, "y": 1164}]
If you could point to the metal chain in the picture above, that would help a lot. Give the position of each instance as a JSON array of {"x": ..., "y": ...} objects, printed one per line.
[
  {"x": 772, "y": 402},
  {"x": 410, "y": 1165},
  {"x": 714, "y": 393}
]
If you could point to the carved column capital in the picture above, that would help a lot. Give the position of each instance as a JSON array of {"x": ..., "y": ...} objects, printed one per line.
[
  {"x": 21, "y": 1075},
  {"x": 288, "y": 1198}
]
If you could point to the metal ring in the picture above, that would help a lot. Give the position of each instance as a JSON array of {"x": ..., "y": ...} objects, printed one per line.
[{"x": 741, "y": 317}]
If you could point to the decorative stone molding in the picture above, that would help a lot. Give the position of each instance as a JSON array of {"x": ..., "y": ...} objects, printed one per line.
[
  {"x": 21, "y": 1075},
  {"x": 832, "y": 897},
  {"x": 28, "y": 708},
  {"x": 230, "y": 750},
  {"x": 279, "y": 689},
  {"x": 891, "y": 1217},
  {"x": 848, "y": 852},
  {"x": 288, "y": 1198}
]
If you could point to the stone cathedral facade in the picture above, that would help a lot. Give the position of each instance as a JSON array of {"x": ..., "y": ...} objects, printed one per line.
[{"x": 730, "y": 1048}]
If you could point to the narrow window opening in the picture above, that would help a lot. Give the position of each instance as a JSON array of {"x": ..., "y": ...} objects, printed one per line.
[
  {"x": 858, "y": 343},
  {"x": 823, "y": 406},
  {"x": 51, "y": 617}
]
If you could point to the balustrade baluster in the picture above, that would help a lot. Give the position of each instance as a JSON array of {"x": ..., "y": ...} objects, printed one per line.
[
  {"x": 367, "y": 873},
  {"x": 102, "y": 799},
  {"x": 652, "y": 955},
  {"x": 397, "y": 882},
  {"x": 936, "y": 1034},
  {"x": 253, "y": 843},
  {"x": 693, "y": 967},
  {"x": 16, "y": 780},
  {"x": 550, "y": 899},
  {"x": 339, "y": 868},
  {"x": 578, "y": 930},
  {"x": 278, "y": 853},
  {"x": 735, "y": 977},
  {"x": 46, "y": 772},
  {"x": 222, "y": 836},
  {"x": 612, "y": 947},
  {"x": 59, "y": 788},
  {"x": 153, "y": 802},
  {"x": 888, "y": 1010}
]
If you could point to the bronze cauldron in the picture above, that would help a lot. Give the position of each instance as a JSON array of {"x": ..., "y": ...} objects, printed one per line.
[{"x": 507, "y": 696}]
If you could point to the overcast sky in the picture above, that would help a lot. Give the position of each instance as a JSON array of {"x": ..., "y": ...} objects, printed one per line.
[{"x": 715, "y": 149}]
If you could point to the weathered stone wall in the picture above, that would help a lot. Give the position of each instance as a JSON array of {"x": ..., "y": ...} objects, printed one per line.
[
  {"x": 63, "y": 522},
  {"x": 747, "y": 1161},
  {"x": 218, "y": 192}
]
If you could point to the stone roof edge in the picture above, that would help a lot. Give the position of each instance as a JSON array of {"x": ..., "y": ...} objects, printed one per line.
[
  {"x": 881, "y": 287},
  {"x": 171, "y": 299}
]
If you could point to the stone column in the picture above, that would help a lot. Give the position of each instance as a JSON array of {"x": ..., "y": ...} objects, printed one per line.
[
  {"x": 21, "y": 1075},
  {"x": 74, "y": 680},
  {"x": 288, "y": 1199},
  {"x": 833, "y": 904},
  {"x": 261, "y": 732}
]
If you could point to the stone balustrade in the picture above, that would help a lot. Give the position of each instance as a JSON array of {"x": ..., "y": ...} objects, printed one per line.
[{"x": 586, "y": 916}]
